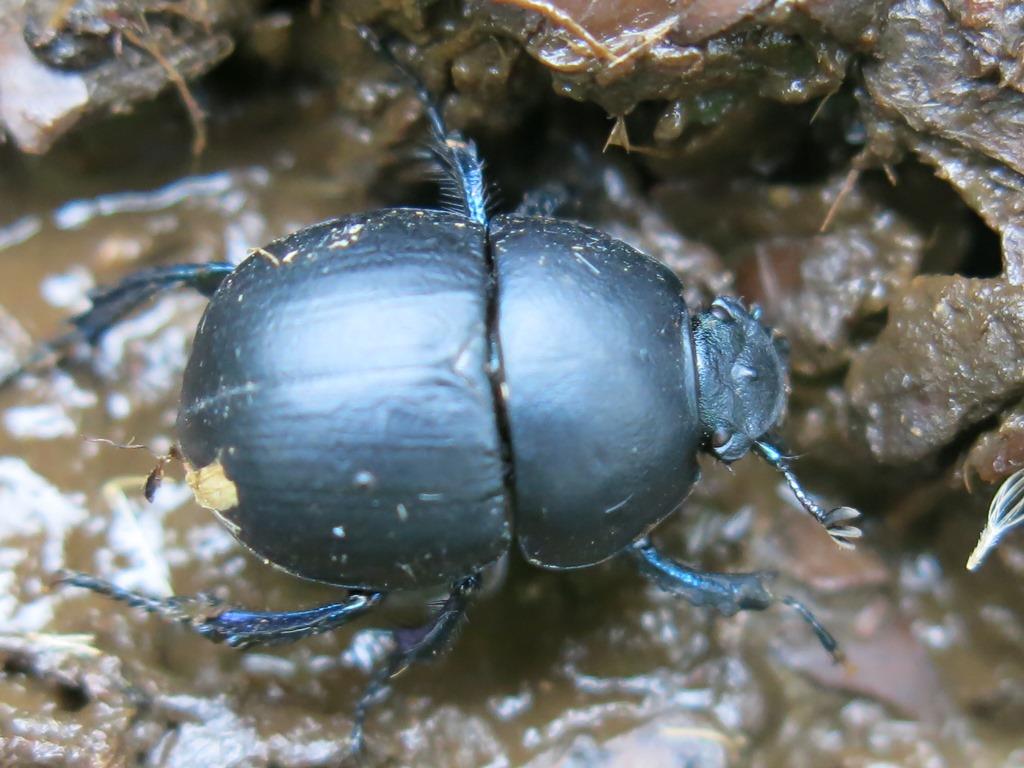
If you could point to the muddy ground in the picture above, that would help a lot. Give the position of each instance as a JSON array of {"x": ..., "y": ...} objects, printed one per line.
[{"x": 856, "y": 167}]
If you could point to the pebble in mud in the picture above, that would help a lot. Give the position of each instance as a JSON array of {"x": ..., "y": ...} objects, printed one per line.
[
  {"x": 822, "y": 289},
  {"x": 948, "y": 358}
]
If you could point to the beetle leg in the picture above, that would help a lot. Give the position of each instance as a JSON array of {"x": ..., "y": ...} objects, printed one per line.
[
  {"x": 838, "y": 521},
  {"x": 461, "y": 162},
  {"x": 112, "y": 304},
  {"x": 411, "y": 645},
  {"x": 236, "y": 627},
  {"x": 727, "y": 593}
]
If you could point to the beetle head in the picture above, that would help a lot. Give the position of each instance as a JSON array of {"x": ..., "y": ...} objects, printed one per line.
[{"x": 743, "y": 369}]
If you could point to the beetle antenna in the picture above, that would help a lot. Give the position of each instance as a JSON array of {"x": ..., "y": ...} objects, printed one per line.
[
  {"x": 828, "y": 642},
  {"x": 836, "y": 521}
]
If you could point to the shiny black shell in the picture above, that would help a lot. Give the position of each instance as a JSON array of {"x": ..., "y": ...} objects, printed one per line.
[
  {"x": 339, "y": 377},
  {"x": 600, "y": 374},
  {"x": 393, "y": 395}
]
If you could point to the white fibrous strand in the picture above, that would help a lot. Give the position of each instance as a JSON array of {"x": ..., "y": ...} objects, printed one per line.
[{"x": 1005, "y": 513}]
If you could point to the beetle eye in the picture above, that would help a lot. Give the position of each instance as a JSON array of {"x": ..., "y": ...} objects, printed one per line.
[{"x": 720, "y": 437}]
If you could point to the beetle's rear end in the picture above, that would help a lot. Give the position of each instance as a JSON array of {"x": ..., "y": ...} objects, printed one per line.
[{"x": 336, "y": 408}]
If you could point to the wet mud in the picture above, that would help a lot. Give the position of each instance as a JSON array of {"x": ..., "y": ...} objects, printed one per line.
[{"x": 752, "y": 125}]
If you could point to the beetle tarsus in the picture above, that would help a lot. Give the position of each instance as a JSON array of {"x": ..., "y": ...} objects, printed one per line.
[
  {"x": 837, "y": 521},
  {"x": 236, "y": 627},
  {"x": 727, "y": 593},
  {"x": 410, "y": 646},
  {"x": 179, "y": 609},
  {"x": 827, "y": 640}
]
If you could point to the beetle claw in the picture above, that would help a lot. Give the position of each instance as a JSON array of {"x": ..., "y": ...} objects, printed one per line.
[
  {"x": 843, "y": 541},
  {"x": 840, "y": 515},
  {"x": 833, "y": 520},
  {"x": 842, "y": 535}
]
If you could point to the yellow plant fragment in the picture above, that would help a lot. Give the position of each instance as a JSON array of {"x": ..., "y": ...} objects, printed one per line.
[{"x": 212, "y": 487}]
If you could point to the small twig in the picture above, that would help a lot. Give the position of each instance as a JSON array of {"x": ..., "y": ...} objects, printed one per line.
[
  {"x": 821, "y": 105},
  {"x": 618, "y": 136},
  {"x": 567, "y": 22},
  {"x": 195, "y": 113},
  {"x": 844, "y": 191},
  {"x": 131, "y": 445}
]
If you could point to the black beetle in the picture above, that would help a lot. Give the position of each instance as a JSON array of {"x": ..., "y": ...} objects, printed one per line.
[{"x": 392, "y": 400}]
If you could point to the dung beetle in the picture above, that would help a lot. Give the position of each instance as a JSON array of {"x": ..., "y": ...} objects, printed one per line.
[{"x": 395, "y": 399}]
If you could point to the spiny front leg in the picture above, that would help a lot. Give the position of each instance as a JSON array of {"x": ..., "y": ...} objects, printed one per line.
[
  {"x": 727, "y": 593},
  {"x": 838, "y": 522},
  {"x": 461, "y": 164}
]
